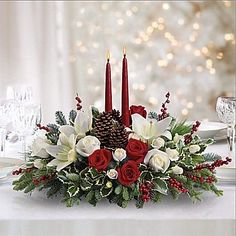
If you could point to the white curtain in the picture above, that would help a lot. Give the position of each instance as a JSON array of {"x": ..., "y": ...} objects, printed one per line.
[{"x": 32, "y": 48}]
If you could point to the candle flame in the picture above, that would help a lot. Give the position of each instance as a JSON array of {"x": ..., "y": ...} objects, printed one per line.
[
  {"x": 124, "y": 50},
  {"x": 108, "y": 55}
]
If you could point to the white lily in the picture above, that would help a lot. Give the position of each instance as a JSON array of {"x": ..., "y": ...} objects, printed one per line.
[
  {"x": 149, "y": 128},
  {"x": 82, "y": 124},
  {"x": 64, "y": 152}
]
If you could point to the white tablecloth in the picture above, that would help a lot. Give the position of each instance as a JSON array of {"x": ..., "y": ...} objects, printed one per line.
[{"x": 24, "y": 215}]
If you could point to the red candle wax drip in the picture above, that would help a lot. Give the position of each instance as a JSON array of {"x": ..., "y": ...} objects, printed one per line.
[
  {"x": 125, "y": 93},
  {"x": 108, "y": 88}
]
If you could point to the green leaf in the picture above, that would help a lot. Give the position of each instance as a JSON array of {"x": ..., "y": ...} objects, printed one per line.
[
  {"x": 60, "y": 118},
  {"x": 160, "y": 186},
  {"x": 125, "y": 194},
  {"x": 73, "y": 190},
  {"x": 85, "y": 185},
  {"x": 104, "y": 191},
  {"x": 197, "y": 159},
  {"x": 147, "y": 175},
  {"x": 89, "y": 196},
  {"x": 118, "y": 189},
  {"x": 94, "y": 173},
  {"x": 73, "y": 177},
  {"x": 98, "y": 195}
]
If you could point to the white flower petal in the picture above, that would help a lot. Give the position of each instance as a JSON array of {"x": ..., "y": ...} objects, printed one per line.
[
  {"x": 167, "y": 134},
  {"x": 138, "y": 122},
  {"x": 68, "y": 130},
  {"x": 162, "y": 125},
  {"x": 59, "y": 164},
  {"x": 58, "y": 151}
]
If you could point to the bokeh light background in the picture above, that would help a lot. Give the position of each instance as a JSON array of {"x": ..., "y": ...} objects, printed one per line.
[{"x": 186, "y": 48}]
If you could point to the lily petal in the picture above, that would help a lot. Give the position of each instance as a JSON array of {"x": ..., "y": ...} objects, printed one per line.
[
  {"x": 59, "y": 164},
  {"x": 67, "y": 130},
  {"x": 162, "y": 125},
  {"x": 167, "y": 134},
  {"x": 58, "y": 151},
  {"x": 138, "y": 123}
]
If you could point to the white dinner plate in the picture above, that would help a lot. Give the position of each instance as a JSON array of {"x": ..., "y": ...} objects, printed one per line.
[
  {"x": 209, "y": 129},
  {"x": 7, "y": 165},
  {"x": 226, "y": 175}
]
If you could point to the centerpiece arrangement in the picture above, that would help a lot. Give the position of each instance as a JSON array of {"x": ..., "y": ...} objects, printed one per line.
[{"x": 123, "y": 157}]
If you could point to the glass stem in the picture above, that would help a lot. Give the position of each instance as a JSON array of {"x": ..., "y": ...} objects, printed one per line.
[
  {"x": 230, "y": 138},
  {"x": 2, "y": 141}
]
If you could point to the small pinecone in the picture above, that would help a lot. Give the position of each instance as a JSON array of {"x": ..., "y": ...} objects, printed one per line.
[
  {"x": 102, "y": 127},
  {"x": 116, "y": 116},
  {"x": 118, "y": 137}
]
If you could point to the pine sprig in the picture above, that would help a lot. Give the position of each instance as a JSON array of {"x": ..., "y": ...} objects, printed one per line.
[
  {"x": 60, "y": 118},
  {"x": 181, "y": 128}
]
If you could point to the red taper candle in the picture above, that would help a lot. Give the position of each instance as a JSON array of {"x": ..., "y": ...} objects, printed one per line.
[
  {"x": 108, "y": 87},
  {"x": 125, "y": 92}
]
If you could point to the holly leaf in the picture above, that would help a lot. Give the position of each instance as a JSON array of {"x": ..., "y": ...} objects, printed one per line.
[
  {"x": 85, "y": 185},
  {"x": 72, "y": 191},
  {"x": 160, "y": 186},
  {"x": 73, "y": 177},
  {"x": 104, "y": 191}
]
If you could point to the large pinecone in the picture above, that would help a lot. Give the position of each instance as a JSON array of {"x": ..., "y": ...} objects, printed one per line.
[
  {"x": 118, "y": 137},
  {"x": 108, "y": 128},
  {"x": 102, "y": 127}
]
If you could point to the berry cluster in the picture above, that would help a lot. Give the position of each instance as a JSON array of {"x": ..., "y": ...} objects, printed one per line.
[
  {"x": 214, "y": 165},
  {"x": 188, "y": 137},
  {"x": 42, "y": 179},
  {"x": 173, "y": 183},
  {"x": 20, "y": 171},
  {"x": 209, "y": 179},
  {"x": 164, "y": 112},
  {"x": 43, "y": 127},
  {"x": 79, "y": 101},
  {"x": 145, "y": 189}
]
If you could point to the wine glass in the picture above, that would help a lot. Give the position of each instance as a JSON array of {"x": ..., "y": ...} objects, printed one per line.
[
  {"x": 226, "y": 111},
  {"x": 27, "y": 116},
  {"x": 5, "y": 120}
]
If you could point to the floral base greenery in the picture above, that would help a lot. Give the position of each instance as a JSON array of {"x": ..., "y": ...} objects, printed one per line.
[{"x": 155, "y": 157}]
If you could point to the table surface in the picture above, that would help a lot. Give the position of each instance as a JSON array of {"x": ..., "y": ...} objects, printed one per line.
[{"x": 17, "y": 205}]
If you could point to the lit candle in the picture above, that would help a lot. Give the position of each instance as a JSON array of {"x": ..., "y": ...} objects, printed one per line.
[
  {"x": 125, "y": 93},
  {"x": 108, "y": 88}
]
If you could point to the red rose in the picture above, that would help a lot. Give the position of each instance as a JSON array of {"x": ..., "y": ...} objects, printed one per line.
[
  {"x": 139, "y": 110},
  {"x": 100, "y": 159},
  {"x": 128, "y": 173},
  {"x": 136, "y": 150}
]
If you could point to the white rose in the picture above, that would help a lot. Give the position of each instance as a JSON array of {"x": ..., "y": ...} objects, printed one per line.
[
  {"x": 177, "y": 170},
  {"x": 158, "y": 143},
  {"x": 38, "y": 163},
  {"x": 158, "y": 160},
  {"x": 173, "y": 154},
  {"x": 87, "y": 145},
  {"x": 177, "y": 138},
  {"x": 119, "y": 154},
  {"x": 194, "y": 148},
  {"x": 112, "y": 174},
  {"x": 40, "y": 144}
]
